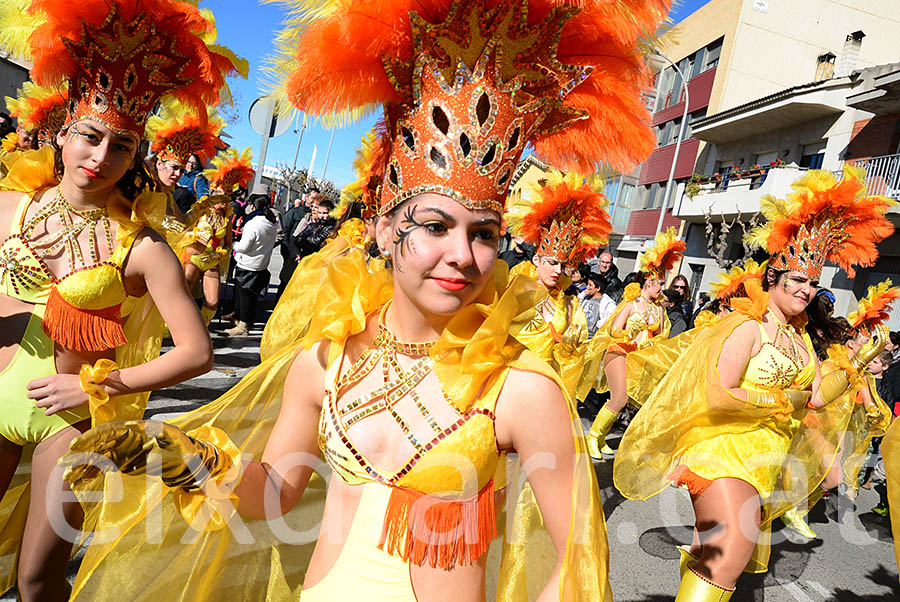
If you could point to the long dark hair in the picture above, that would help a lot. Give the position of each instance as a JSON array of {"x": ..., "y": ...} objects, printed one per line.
[
  {"x": 261, "y": 203},
  {"x": 136, "y": 179}
]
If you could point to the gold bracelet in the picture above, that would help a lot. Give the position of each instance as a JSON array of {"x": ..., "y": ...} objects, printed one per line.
[{"x": 91, "y": 379}]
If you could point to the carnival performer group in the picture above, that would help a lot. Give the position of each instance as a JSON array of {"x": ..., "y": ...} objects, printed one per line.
[{"x": 411, "y": 386}]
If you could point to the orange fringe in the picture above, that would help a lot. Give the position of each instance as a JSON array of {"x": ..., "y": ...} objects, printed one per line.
[
  {"x": 82, "y": 329},
  {"x": 696, "y": 484},
  {"x": 442, "y": 533}
]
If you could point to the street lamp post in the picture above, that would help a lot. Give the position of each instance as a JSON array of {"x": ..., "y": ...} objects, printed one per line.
[{"x": 681, "y": 132}]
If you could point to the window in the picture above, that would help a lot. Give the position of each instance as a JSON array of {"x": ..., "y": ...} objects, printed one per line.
[
  {"x": 622, "y": 211},
  {"x": 664, "y": 87},
  {"x": 652, "y": 197},
  {"x": 813, "y": 155},
  {"x": 699, "y": 62},
  {"x": 714, "y": 50}
]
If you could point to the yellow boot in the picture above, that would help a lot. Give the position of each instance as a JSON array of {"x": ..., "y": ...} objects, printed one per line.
[
  {"x": 602, "y": 423},
  {"x": 686, "y": 557},
  {"x": 794, "y": 520},
  {"x": 208, "y": 314},
  {"x": 695, "y": 588}
]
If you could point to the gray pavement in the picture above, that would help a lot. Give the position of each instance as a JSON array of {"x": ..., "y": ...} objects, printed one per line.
[{"x": 850, "y": 564}]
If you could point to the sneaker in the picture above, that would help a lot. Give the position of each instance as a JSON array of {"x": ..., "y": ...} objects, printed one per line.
[{"x": 881, "y": 510}]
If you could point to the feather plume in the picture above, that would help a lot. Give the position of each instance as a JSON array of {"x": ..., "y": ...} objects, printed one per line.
[
  {"x": 36, "y": 107},
  {"x": 732, "y": 283},
  {"x": 15, "y": 27},
  {"x": 667, "y": 249},
  {"x": 875, "y": 307},
  {"x": 230, "y": 170}
]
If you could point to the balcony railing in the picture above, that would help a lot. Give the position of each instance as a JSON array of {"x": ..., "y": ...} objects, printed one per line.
[{"x": 882, "y": 175}]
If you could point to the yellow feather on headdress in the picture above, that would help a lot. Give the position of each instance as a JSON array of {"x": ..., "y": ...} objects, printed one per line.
[
  {"x": 230, "y": 170},
  {"x": 732, "y": 283},
  {"x": 875, "y": 307},
  {"x": 15, "y": 26},
  {"x": 667, "y": 249}
]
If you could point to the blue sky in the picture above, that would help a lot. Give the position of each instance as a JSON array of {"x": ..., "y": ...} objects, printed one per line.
[{"x": 248, "y": 28}]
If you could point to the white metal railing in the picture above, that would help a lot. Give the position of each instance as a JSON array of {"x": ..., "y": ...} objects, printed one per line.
[{"x": 882, "y": 175}]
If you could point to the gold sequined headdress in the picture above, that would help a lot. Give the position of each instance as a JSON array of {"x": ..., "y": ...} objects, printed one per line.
[
  {"x": 178, "y": 132},
  {"x": 120, "y": 57},
  {"x": 40, "y": 109},
  {"x": 567, "y": 222},
  {"x": 875, "y": 308},
  {"x": 466, "y": 85},
  {"x": 823, "y": 219}
]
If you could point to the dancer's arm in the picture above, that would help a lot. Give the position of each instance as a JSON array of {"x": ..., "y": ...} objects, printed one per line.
[
  {"x": 292, "y": 450},
  {"x": 532, "y": 419},
  {"x": 735, "y": 355}
]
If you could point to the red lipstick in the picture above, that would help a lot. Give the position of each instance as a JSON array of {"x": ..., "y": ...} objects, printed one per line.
[
  {"x": 452, "y": 284},
  {"x": 91, "y": 173}
]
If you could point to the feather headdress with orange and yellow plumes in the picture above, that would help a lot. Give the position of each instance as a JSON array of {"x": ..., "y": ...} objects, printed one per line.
[
  {"x": 735, "y": 282},
  {"x": 465, "y": 85},
  {"x": 369, "y": 164},
  {"x": 823, "y": 219},
  {"x": 40, "y": 109},
  {"x": 567, "y": 220},
  {"x": 875, "y": 307},
  {"x": 230, "y": 170},
  {"x": 666, "y": 251},
  {"x": 120, "y": 56},
  {"x": 178, "y": 132}
]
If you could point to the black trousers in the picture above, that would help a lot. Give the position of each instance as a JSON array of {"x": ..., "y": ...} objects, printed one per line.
[{"x": 248, "y": 286}]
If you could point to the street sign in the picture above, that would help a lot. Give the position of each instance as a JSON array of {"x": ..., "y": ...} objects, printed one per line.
[{"x": 261, "y": 111}]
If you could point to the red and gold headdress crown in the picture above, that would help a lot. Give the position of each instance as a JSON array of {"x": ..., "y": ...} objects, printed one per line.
[
  {"x": 121, "y": 56},
  {"x": 230, "y": 170},
  {"x": 466, "y": 85},
  {"x": 734, "y": 283},
  {"x": 568, "y": 221},
  {"x": 371, "y": 158},
  {"x": 178, "y": 132},
  {"x": 667, "y": 249},
  {"x": 875, "y": 307},
  {"x": 823, "y": 219},
  {"x": 39, "y": 109}
]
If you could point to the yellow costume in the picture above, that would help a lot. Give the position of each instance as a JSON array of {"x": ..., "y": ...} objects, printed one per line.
[
  {"x": 471, "y": 361},
  {"x": 561, "y": 341},
  {"x": 890, "y": 451},
  {"x": 86, "y": 310}
]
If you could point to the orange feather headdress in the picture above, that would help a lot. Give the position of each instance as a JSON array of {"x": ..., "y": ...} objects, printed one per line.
[
  {"x": 178, "y": 132},
  {"x": 465, "y": 85},
  {"x": 875, "y": 307},
  {"x": 568, "y": 221},
  {"x": 667, "y": 249},
  {"x": 823, "y": 219},
  {"x": 121, "y": 56},
  {"x": 371, "y": 158},
  {"x": 735, "y": 282},
  {"x": 39, "y": 109},
  {"x": 230, "y": 171}
]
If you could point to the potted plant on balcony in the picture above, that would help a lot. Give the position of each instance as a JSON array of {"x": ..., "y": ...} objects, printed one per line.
[
  {"x": 692, "y": 188},
  {"x": 777, "y": 163},
  {"x": 754, "y": 171}
]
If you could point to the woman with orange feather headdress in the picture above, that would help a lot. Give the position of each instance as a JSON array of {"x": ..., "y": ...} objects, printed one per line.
[
  {"x": 637, "y": 323},
  {"x": 40, "y": 110},
  {"x": 408, "y": 380},
  {"x": 567, "y": 223},
  {"x": 80, "y": 258},
  {"x": 742, "y": 416},
  {"x": 860, "y": 413}
]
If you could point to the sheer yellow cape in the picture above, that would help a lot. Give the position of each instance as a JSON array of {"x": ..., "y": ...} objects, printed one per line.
[
  {"x": 890, "y": 451},
  {"x": 29, "y": 172},
  {"x": 689, "y": 405},
  {"x": 245, "y": 561}
]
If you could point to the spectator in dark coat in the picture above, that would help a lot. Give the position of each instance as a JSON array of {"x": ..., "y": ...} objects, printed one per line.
[
  {"x": 519, "y": 252},
  {"x": 317, "y": 231},
  {"x": 672, "y": 302},
  {"x": 610, "y": 272},
  {"x": 289, "y": 222}
]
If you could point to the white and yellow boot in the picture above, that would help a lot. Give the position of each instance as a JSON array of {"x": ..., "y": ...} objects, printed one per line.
[{"x": 596, "y": 442}]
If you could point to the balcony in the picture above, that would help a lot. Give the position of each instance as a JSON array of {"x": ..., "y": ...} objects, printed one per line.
[
  {"x": 882, "y": 175},
  {"x": 729, "y": 194}
]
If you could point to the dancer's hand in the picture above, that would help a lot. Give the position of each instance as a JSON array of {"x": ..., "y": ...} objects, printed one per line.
[
  {"x": 57, "y": 393},
  {"x": 871, "y": 348},
  {"x": 635, "y": 324},
  {"x": 184, "y": 461}
]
